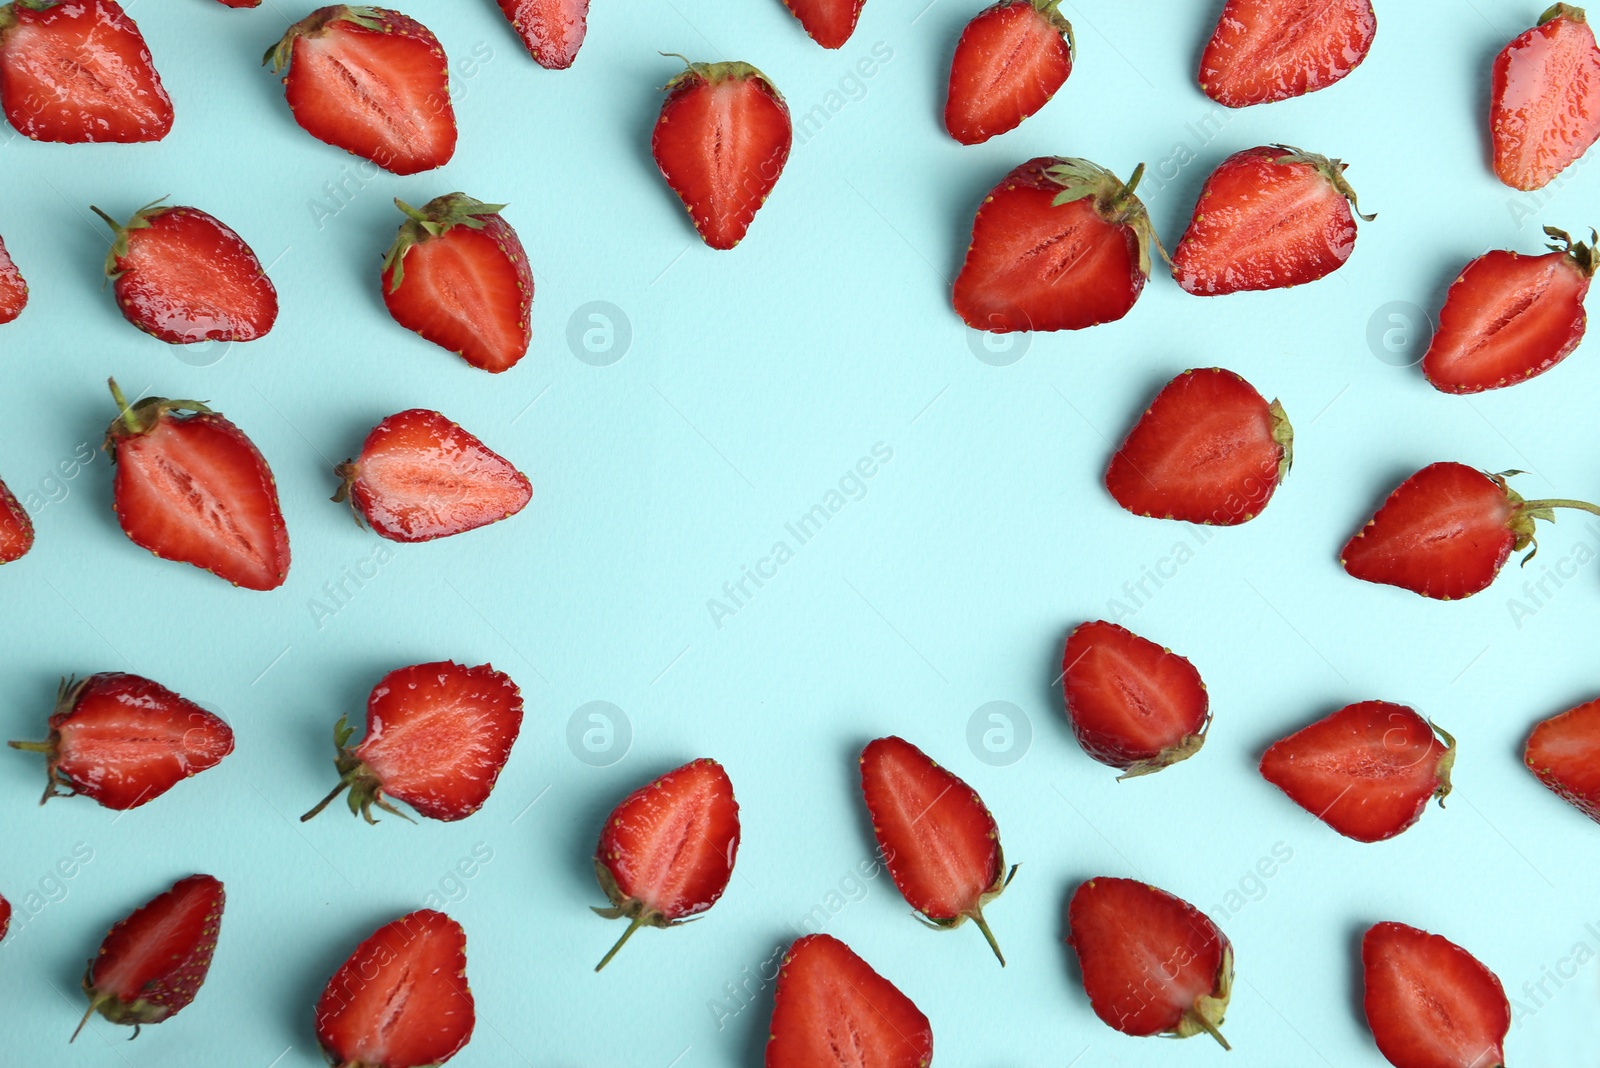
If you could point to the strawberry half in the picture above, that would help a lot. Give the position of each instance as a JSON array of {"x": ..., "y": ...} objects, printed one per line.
[
  {"x": 940, "y": 842},
  {"x": 152, "y": 964},
  {"x": 240, "y": 3},
  {"x": 829, "y": 22},
  {"x": 1209, "y": 449},
  {"x": 667, "y": 850},
  {"x": 1368, "y": 770},
  {"x": 1011, "y": 59},
  {"x": 193, "y": 488},
  {"x": 79, "y": 70},
  {"x": 1544, "y": 107},
  {"x": 1268, "y": 218},
  {"x": 420, "y": 477},
  {"x": 437, "y": 738},
  {"x": 371, "y": 81},
  {"x": 402, "y": 999},
  {"x": 1152, "y": 963},
  {"x": 5, "y": 917},
  {"x": 1446, "y": 531},
  {"x": 1509, "y": 317},
  {"x": 552, "y": 30},
  {"x": 1266, "y": 50},
  {"x": 458, "y": 275},
  {"x": 1059, "y": 244},
  {"x": 181, "y": 276},
  {"x": 831, "y": 1010},
  {"x": 1564, "y": 752},
  {"x": 16, "y": 528},
  {"x": 721, "y": 141},
  {"x": 1133, "y": 704},
  {"x": 1430, "y": 1003},
  {"x": 13, "y": 289},
  {"x": 123, "y": 740}
]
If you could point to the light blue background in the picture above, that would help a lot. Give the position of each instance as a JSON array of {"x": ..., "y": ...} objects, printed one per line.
[{"x": 754, "y": 381}]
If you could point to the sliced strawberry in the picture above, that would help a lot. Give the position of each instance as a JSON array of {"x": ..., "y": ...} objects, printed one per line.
[
  {"x": 552, "y": 30},
  {"x": 831, "y": 1010},
  {"x": 437, "y": 738},
  {"x": 1152, "y": 963},
  {"x": 79, "y": 70},
  {"x": 1011, "y": 59},
  {"x": 667, "y": 850},
  {"x": 1564, "y": 752},
  {"x": 1268, "y": 218},
  {"x": 401, "y": 1000},
  {"x": 123, "y": 740},
  {"x": 193, "y": 488},
  {"x": 5, "y": 917},
  {"x": 1430, "y": 1003},
  {"x": 240, "y": 3},
  {"x": 1209, "y": 449},
  {"x": 151, "y": 965},
  {"x": 16, "y": 528},
  {"x": 370, "y": 81},
  {"x": 829, "y": 22},
  {"x": 721, "y": 141},
  {"x": 1544, "y": 108},
  {"x": 1133, "y": 704},
  {"x": 1509, "y": 317},
  {"x": 1266, "y": 50},
  {"x": 13, "y": 289},
  {"x": 458, "y": 275},
  {"x": 941, "y": 844}
]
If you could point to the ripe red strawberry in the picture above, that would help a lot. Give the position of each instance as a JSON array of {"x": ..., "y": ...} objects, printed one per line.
[
  {"x": 831, "y": 1010},
  {"x": 123, "y": 740},
  {"x": 1152, "y": 963},
  {"x": 667, "y": 850},
  {"x": 1011, "y": 59},
  {"x": 1368, "y": 770},
  {"x": 829, "y": 22},
  {"x": 941, "y": 844},
  {"x": 437, "y": 737},
  {"x": 457, "y": 275},
  {"x": 1564, "y": 752},
  {"x": 151, "y": 965},
  {"x": 1209, "y": 449},
  {"x": 5, "y": 917},
  {"x": 1059, "y": 244},
  {"x": 420, "y": 477},
  {"x": 721, "y": 141},
  {"x": 240, "y": 3},
  {"x": 193, "y": 488},
  {"x": 552, "y": 30},
  {"x": 16, "y": 528},
  {"x": 402, "y": 999},
  {"x": 1509, "y": 317},
  {"x": 370, "y": 81},
  {"x": 181, "y": 276},
  {"x": 1446, "y": 531},
  {"x": 13, "y": 289},
  {"x": 1430, "y": 1003},
  {"x": 1268, "y": 218},
  {"x": 1266, "y": 50},
  {"x": 78, "y": 70},
  {"x": 1544, "y": 108},
  {"x": 1133, "y": 704}
]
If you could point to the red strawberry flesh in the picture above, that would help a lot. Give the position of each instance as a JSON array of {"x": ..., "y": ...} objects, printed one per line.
[
  {"x": 552, "y": 30},
  {"x": 1430, "y": 1003},
  {"x": 829, "y": 22},
  {"x": 831, "y": 1010},
  {"x": 16, "y": 528},
  {"x": 1544, "y": 108},
  {"x": 1133, "y": 705},
  {"x": 1011, "y": 59},
  {"x": 1266, "y": 50},
  {"x": 13, "y": 289},
  {"x": 1564, "y": 752}
]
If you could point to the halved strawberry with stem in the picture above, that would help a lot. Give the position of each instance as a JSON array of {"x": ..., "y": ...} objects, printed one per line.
[
  {"x": 1430, "y": 1003},
  {"x": 831, "y": 1010},
  {"x": 1368, "y": 770},
  {"x": 667, "y": 851},
  {"x": 420, "y": 477},
  {"x": 1268, "y": 218},
  {"x": 152, "y": 964},
  {"x": 1152, "y": 963},
  {"x": 552, "y": 30},
  {"x": 1266, "y": 50},
  {"x": 1509, "y": 317},
  {"x": 1446, "y": 532},
  {"x": 1209, "y": 449},
  {"x": 1133, "y": 705},
  {"x": 401, "y": 1000},
  {"x": 13, "y": 289},
  {"x": 829, "y": 22},
  {"x": 437, "y": 738},
  {"x": 371, "y": 81},
  {"x": 941, "y": 843},
  {"x": 16, "y": 528},
  {"x": 193, "y": 488},
  {"x": 1011, "y": 59},
  {"x": 721, "y": 141},
  {"x": 78, "y": 70},
  {"x": 123, "y": 740},
  {"x": 1544, "y": 107},
  {"x": 1564, "y": 752}
]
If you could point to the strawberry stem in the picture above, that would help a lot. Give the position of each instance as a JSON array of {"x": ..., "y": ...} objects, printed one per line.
[
  {"x": 636, "y": 923},
  {"x": 1582, "y": 506},
  {"x": 93, "y": 1006},
  {"x": 124, "y": 410},
  {"x": 344, "y": 784},
  {"x": 983, "y": 925},
  {"x": 1199, "y": 1019}
]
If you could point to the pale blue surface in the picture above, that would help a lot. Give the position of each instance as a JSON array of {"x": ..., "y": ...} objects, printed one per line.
[{"x": 755, "y": 380}]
